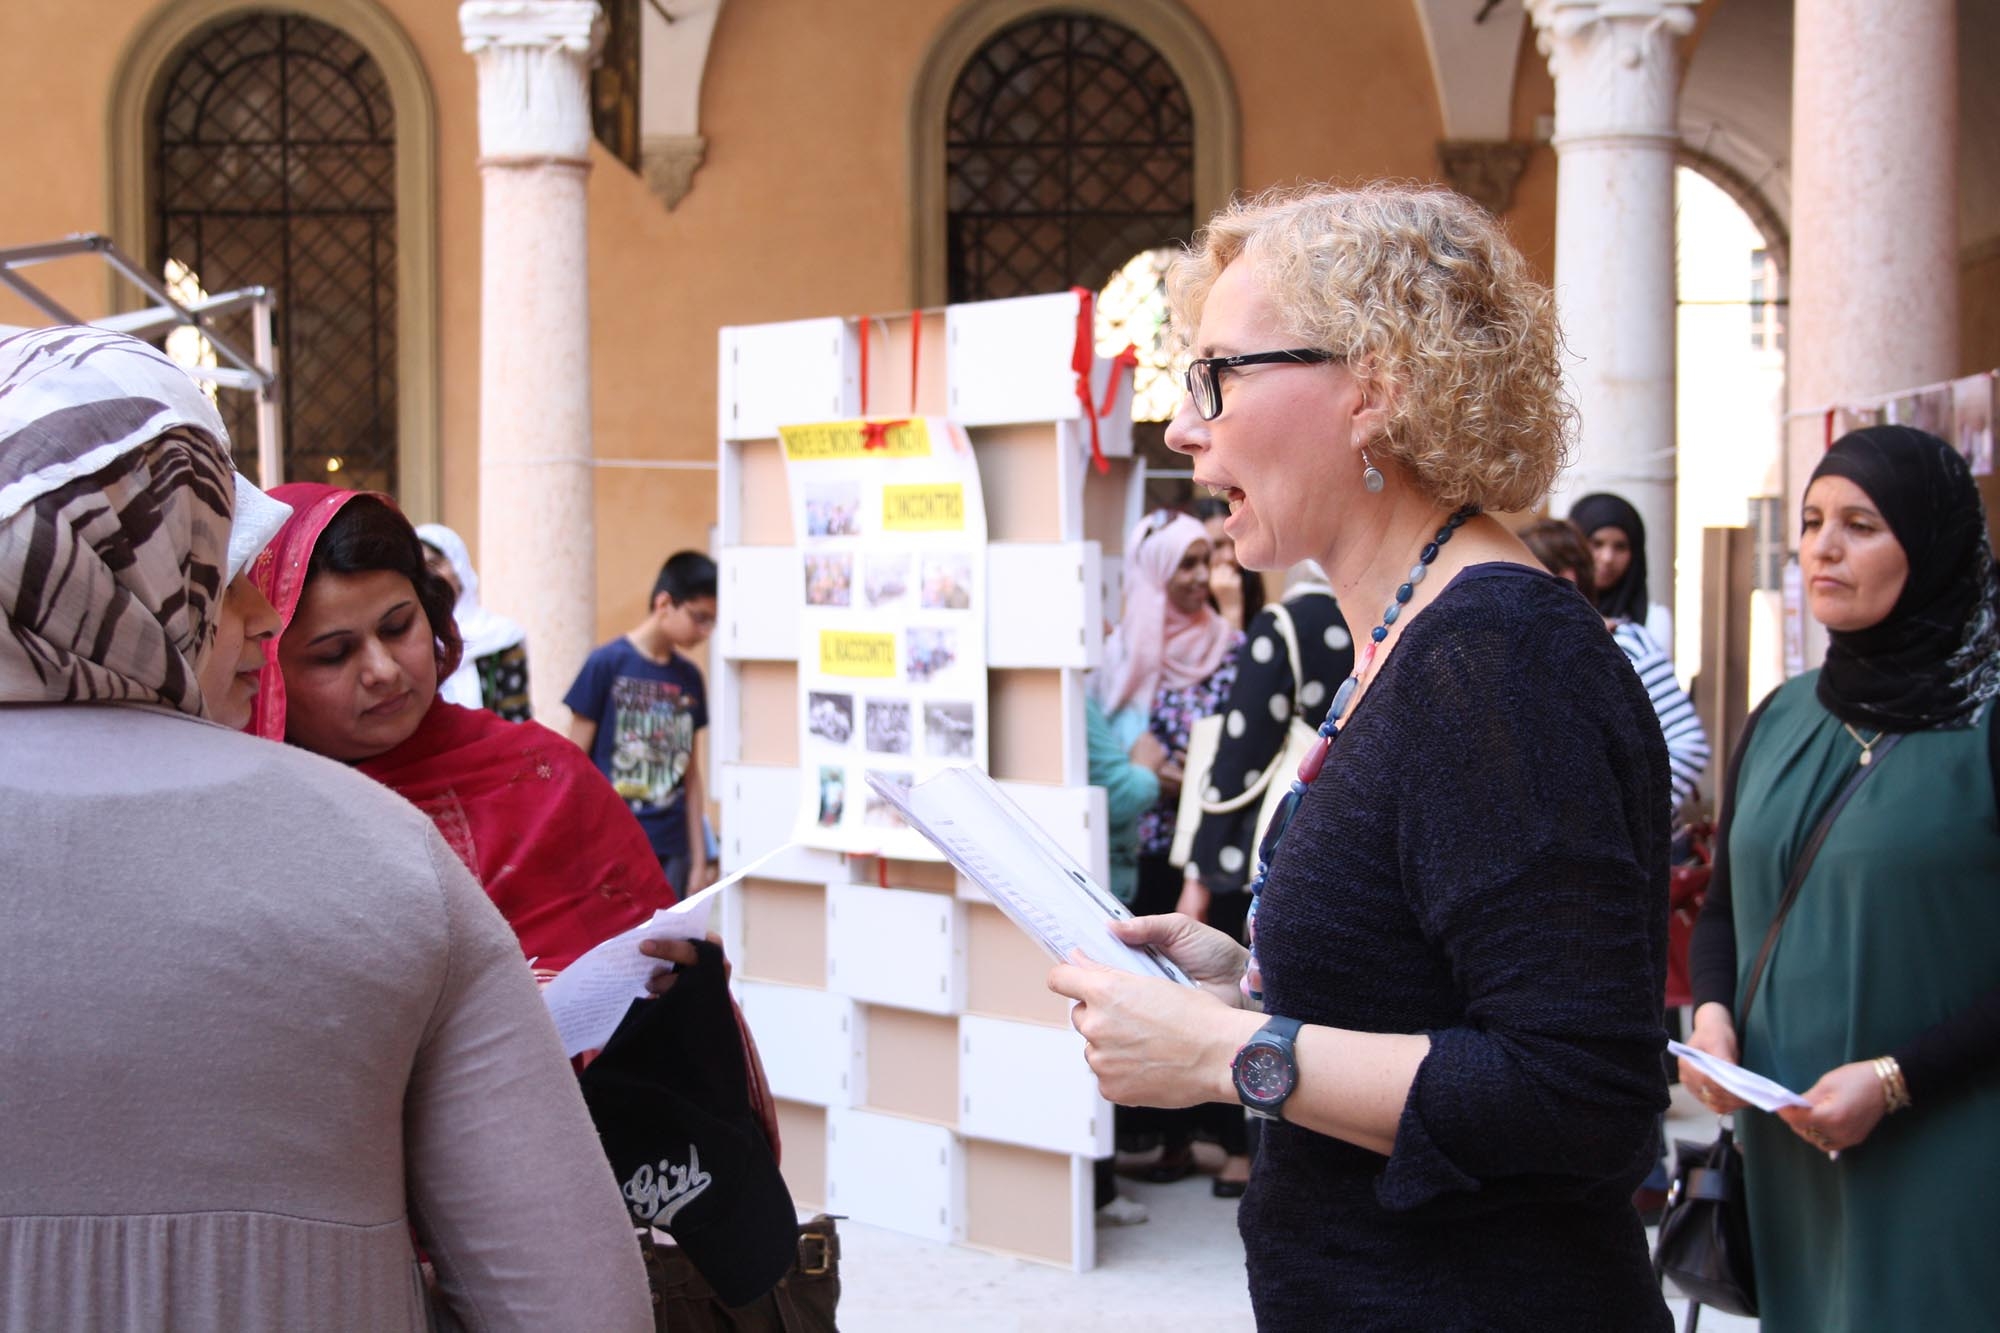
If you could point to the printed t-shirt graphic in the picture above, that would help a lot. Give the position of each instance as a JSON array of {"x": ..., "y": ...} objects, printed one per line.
[
  {"x": 652, "y": 737},
  {"x": 647, "y": 714}
]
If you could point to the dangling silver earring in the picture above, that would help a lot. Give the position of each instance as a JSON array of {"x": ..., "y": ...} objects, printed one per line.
[{"x": 1371, "y": 476}]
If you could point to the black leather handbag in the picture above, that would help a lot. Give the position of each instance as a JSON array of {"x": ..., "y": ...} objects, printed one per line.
[{"x": 1704, "y": 1243}]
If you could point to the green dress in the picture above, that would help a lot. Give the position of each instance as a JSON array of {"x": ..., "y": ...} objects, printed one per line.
[{"x": 1896, "y": 928}]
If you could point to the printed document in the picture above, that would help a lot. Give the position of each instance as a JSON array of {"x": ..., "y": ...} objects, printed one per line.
[
  {"x": 1759, "y": 1091},
  {"x": 588, "y": 999},
  {"x": 979, "y": 830}
]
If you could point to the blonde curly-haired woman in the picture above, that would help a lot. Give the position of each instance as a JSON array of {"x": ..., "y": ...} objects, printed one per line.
[{"x": 1459, "y": 933}]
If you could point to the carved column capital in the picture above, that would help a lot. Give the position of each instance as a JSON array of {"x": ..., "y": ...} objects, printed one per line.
[
  {"x": 534, "y": 66},
  {"x": 1615, "y": 65},
  {"x": 1484, "y": 170}
]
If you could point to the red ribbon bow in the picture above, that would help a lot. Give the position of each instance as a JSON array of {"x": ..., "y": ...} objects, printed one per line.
[{"x": 875, "y": 434}]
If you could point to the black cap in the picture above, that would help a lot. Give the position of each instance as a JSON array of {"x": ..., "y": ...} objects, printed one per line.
[{"x": 670, "y": 1096}]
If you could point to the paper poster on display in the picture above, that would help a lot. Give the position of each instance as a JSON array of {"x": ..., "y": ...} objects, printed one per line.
[
  {"x": 1972, "y": 421},
  {"x": 890, "y": 526},
  {"x": 1926, "y": 409}
]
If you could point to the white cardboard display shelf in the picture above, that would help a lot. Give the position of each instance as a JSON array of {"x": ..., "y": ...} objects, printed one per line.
[{"x": 996, "y": 1152}]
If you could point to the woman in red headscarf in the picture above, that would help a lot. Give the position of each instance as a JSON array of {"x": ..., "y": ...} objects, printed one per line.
[{"x": 367, "y": 636}]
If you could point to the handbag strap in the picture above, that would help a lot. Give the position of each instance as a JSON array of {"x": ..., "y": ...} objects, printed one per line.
[
  {"x": 1281, "y": 615},
  {"x": 1283, "y": 619},
  {"x": 1804, "y": 864}
]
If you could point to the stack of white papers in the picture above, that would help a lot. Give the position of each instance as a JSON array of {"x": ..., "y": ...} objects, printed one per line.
[
  {"x": 1759, "y": 1091},
  {"x": 588, "y": 999},
  {"x": 968, "y": 818}
]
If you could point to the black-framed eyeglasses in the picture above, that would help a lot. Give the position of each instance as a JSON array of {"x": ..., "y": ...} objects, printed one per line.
[{"x": 1204, "y": 375}]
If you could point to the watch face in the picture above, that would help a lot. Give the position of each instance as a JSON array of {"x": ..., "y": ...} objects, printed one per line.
[{"x": 1263, "y": 1075}]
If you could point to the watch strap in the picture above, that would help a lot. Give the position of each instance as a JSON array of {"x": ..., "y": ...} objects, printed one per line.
[
  {"x": 1280, "y": 1034},
  {"x": 1283, "y": 1029}
]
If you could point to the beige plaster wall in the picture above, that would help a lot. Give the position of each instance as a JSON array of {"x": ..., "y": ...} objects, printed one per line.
[
  {"x": 55, "y": 91},
  {"x": 799, "y": 210}
]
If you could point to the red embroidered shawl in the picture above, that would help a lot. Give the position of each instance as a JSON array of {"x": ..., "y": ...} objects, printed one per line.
[{"x": 559, "y": 853}]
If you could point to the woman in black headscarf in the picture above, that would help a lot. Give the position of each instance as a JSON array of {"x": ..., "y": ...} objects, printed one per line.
[
  {"x": 1880, "y": 999},
  {"x": 1617, "y": 537}
]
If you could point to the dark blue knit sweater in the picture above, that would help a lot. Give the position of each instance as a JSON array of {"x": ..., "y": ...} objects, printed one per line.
[{"x": 1484, "y": 860}]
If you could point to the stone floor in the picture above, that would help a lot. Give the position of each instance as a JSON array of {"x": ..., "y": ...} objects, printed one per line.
[{"x": 1180, "y": 1272}]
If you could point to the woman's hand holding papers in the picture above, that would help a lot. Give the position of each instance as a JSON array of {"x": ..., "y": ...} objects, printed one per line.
[
  {"x": 1153, "y": 1043},
  {"x": 1714, "y": 1034},
  {"x": 1211, "y": 959},
  {"x": 1847, "y": 1104},
  {"x": 680, "y": 953}
]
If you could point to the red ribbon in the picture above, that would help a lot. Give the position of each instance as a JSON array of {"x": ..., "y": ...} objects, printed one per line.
[
  {"x": 867, "y": 327},
  {"x": 875, "y": 434},
  {"x": 1079, "y": 361},
  {"x": 1129, "y": 360}
]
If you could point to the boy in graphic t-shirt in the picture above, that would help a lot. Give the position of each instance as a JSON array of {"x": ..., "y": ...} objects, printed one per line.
[{"x": 638, "y": 708}]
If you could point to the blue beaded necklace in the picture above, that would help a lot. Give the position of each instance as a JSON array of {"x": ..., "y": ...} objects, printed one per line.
[{"x": 1252, "y": 984}]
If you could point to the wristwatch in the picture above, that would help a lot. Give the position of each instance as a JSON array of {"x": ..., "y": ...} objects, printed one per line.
[{"x": 1266, "y": 1070}]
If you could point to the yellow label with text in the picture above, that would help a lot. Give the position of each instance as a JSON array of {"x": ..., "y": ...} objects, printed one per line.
[
  {"x": 845, "y": 653},
  {"x": 856, "y": 439},
  {"x": 936, "y": 507}
]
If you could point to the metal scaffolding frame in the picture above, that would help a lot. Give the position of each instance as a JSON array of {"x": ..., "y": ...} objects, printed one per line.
[{"x": 253, "y": 372}]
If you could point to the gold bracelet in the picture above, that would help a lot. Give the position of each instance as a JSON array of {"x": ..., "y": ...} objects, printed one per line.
[{"x": 1895, "y": 1092}]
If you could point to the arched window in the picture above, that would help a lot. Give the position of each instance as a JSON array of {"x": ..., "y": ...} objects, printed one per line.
[
  {"x": 1069, "y": 148},
  {"x": 274, "y": 142}
]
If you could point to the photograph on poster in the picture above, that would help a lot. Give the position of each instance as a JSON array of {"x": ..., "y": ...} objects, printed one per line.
[
  {"x": 829, "y": 580},
  {"x": 1930, "y": 410},
  {"x": 1972, "y": 426},
  {"x": 833, "y": 509},
  {"x": 831, "y": 716},
  {"x": 948, "y": 730},
  {"x": 889, "y": 726},
  {"x": 886, "y": 578},
  {"x": 832, "y": 794},
  {"x": 948, "y": 582},
  {"x": 878, "y": 812},
  {"x": 931, "y": 651}
]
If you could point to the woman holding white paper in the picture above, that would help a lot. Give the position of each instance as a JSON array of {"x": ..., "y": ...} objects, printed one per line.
[
  {"x": 1459, "y": 929},
  {"x": 1880, "y": 999}
]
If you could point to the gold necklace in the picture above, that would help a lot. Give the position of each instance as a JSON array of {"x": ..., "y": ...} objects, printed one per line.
[{"x": 1867, "y": 746}]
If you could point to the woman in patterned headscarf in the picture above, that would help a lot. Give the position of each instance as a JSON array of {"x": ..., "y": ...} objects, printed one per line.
[
  {"x": 1879, "y": 999},
  {"x": 261, "y": 1021}
]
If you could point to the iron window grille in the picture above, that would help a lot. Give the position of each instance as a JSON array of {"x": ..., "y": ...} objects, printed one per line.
[
  {"x": 1069, "y": 148},
  {"x": 275, "y": 152}
]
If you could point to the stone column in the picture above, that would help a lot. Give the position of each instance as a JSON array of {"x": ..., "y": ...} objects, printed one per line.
[
  {"x": 1874, "y": 280},
  {"x": 537, "y": 526},
  {"x": 1617, "y": 73}
]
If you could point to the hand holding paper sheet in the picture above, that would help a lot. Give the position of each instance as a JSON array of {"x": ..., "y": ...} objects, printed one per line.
[
  {"x": 1759, "y": 1091},
  {"x": 589, "y": 998},
  {"x": 968, "y": 818}
]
